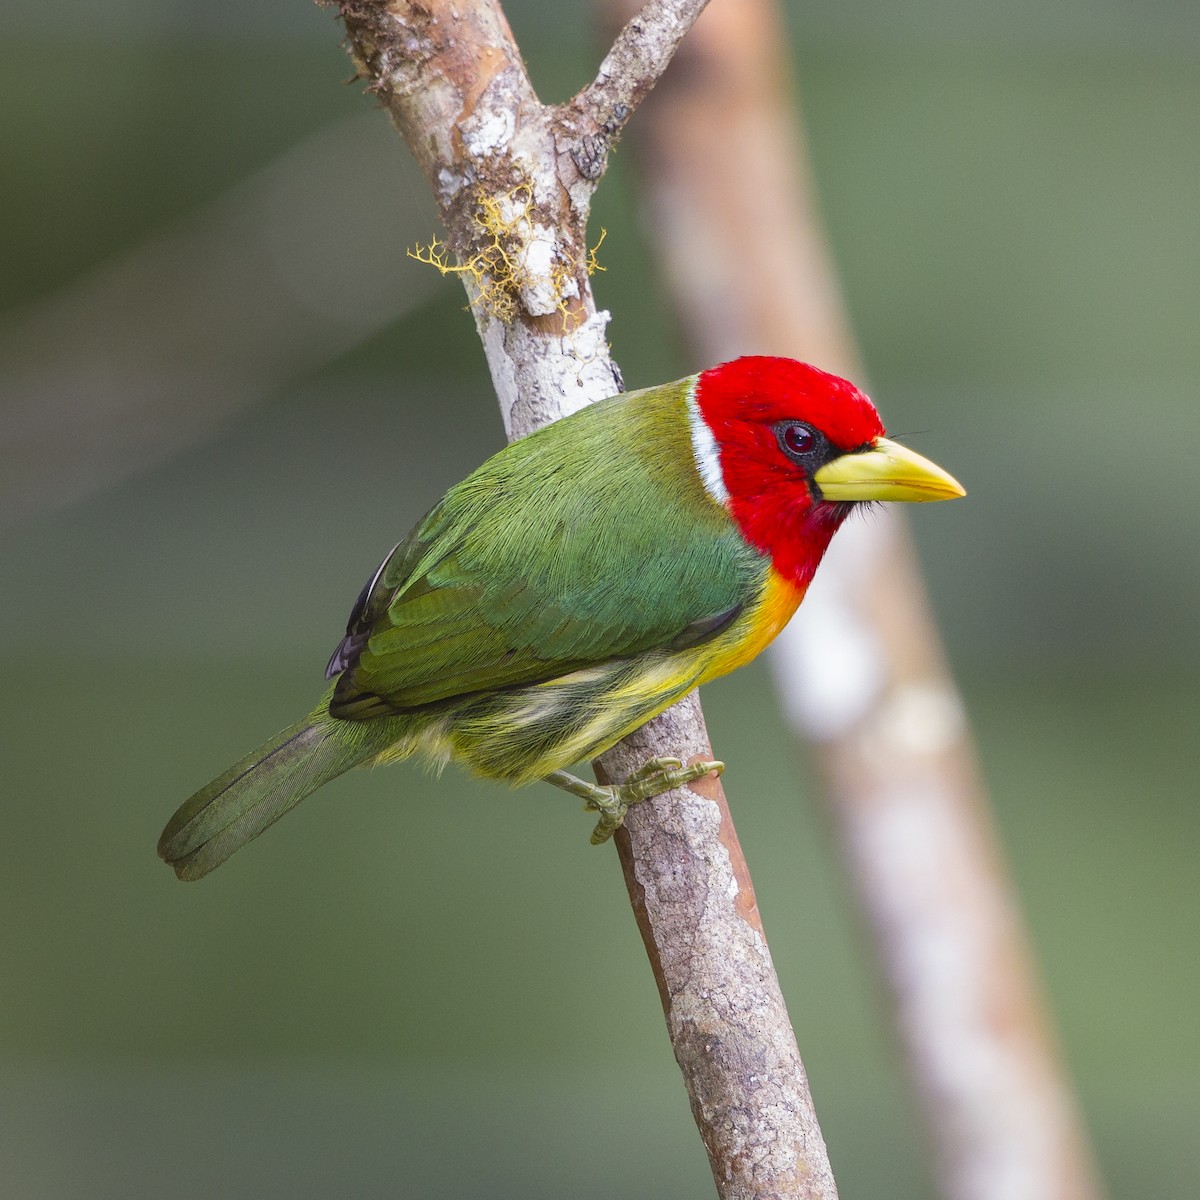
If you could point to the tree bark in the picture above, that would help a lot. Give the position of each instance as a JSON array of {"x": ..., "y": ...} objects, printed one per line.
[{"x": 513, "y": 180}]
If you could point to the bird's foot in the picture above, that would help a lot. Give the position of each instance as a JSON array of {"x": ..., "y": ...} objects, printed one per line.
[{"x": 613, "y": 801}]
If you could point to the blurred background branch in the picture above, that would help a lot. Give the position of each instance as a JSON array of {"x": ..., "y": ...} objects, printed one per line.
[
  {"x": 162, "y": 345},
  {"x": 861, "y": 668}
]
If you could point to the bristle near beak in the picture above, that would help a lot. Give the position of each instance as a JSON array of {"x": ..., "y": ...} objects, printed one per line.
[{"x": 886, "y": 471}]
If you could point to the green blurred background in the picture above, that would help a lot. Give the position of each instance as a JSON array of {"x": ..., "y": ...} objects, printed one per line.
[{"x": 226, "y": 393}]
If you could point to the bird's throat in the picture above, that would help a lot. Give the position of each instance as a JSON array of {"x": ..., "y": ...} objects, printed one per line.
[{"x": 793, "y": 535}]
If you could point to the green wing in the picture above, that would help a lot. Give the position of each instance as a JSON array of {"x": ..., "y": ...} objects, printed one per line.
[{"x": 588, "y": 541}]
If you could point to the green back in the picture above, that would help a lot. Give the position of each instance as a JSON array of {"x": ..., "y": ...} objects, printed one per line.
[{"x": 589, "y": 540}]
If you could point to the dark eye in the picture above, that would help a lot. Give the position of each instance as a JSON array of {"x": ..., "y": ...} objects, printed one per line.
[{"x": 797, "y": 440}]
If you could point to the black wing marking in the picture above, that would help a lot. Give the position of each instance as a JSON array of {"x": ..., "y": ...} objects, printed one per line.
[
  {"x": 358, "y": 627},
  {"x": 704, "y": 629}
]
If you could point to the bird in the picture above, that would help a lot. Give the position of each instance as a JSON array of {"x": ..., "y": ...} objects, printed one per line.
[{"x": 575, "y": 585}]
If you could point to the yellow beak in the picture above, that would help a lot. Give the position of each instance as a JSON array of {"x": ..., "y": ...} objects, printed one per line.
[{"x": 887, "y": 471}]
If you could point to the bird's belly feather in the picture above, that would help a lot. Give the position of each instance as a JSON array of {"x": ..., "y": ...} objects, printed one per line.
[
  {"x": 750, "y": 635},
  {"x": 523, "y": 734}
]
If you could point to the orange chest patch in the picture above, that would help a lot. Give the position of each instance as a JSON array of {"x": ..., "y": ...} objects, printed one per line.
[{"x": 753, "y": 633}]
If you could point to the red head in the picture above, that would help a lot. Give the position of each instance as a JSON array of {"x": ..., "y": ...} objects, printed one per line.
[{"x": 762, "y": 429}]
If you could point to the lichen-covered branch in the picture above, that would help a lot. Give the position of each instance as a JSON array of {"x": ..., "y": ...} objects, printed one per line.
[
  {"x": 861, "y": 670},
  {"x": 514, "y": 180}
]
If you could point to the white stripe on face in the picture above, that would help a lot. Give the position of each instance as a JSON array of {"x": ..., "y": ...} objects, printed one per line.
[{"x": 705, "y": 452}]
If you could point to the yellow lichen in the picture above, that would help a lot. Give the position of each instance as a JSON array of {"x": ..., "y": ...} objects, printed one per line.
[
  {"x": 498, "y": 269},
  {"x": 593, "y": 263}
]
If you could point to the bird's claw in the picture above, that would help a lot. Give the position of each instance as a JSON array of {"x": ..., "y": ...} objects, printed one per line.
[{"x": 651, "y": 779}]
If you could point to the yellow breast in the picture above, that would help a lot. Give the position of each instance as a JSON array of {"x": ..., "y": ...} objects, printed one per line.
[{"x": 750, "y": 635}]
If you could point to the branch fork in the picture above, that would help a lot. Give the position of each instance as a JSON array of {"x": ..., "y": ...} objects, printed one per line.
[{"x": 514, "y": 179}]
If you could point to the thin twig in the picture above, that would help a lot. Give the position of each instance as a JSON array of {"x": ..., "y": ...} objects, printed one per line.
[{"x": 639, "y": 55}]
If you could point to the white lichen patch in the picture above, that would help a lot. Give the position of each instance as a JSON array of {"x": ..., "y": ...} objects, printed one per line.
[
  {"x": 537, "y": 380},
  {"x": 487, "y": 133},
  {"x": 540, "y": 289},
  {"x": 449, "y": 184}
]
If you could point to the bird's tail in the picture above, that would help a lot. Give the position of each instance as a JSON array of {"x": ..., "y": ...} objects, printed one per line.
[{"x": 254, "y": 793}]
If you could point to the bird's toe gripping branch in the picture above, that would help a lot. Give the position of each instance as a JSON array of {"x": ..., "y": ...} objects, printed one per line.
[{"x": 613, "y": 801}]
